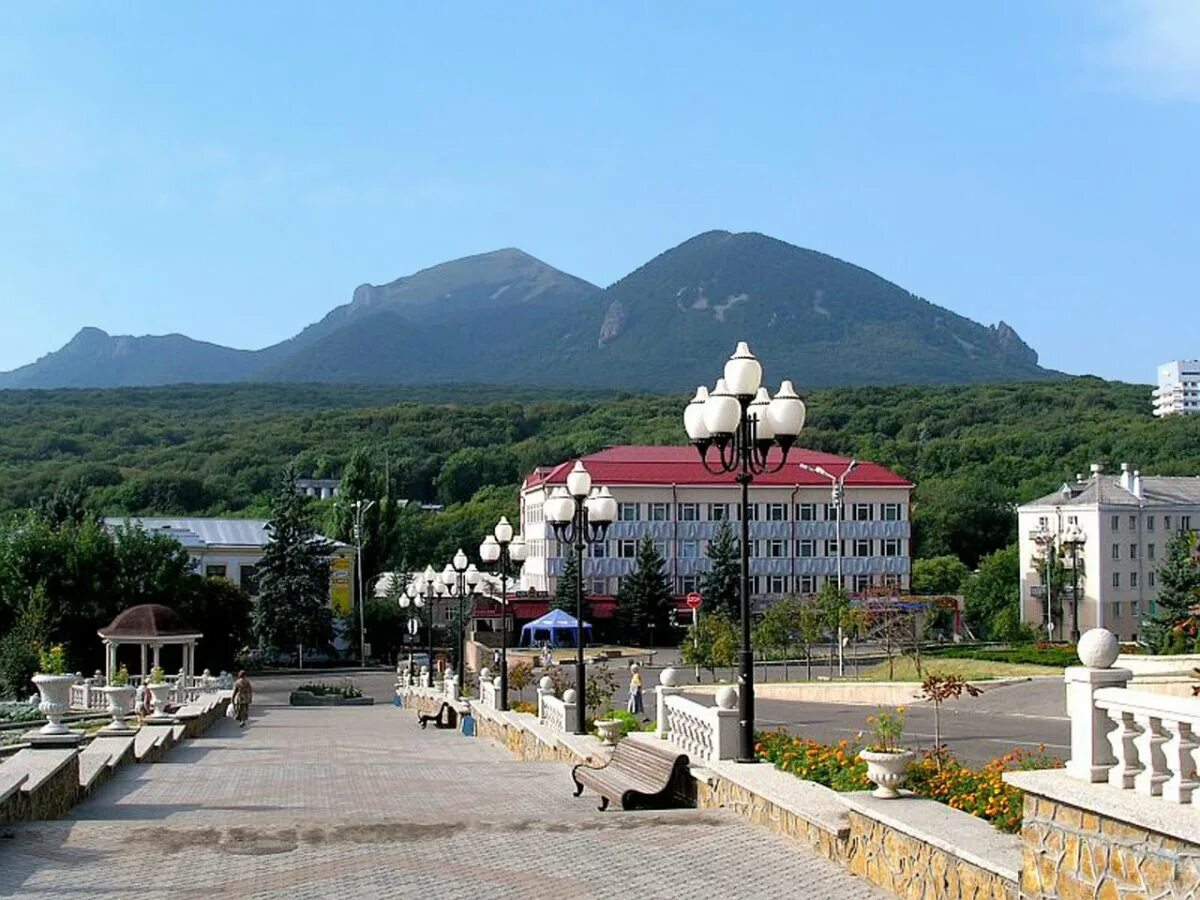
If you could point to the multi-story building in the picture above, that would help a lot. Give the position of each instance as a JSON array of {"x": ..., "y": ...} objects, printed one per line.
[
  {"x": 1126, "y": 521},
  {"x": 666, "y": 493},
  {"x": 1178, "y": 391}
]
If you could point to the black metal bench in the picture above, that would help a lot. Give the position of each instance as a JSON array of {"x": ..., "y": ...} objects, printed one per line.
[
  {"x": 446, "y": 717},
  {"x": 640, "y": 775}
]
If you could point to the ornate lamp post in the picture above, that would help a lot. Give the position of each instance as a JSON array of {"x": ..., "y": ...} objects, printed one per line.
[
  {"x": 1073, "y": 539},
  {"x": 580, "y": 515},
  {"x": 838, "y": 495},
  {"x": 414, "y": 596},
  {"x": 423, "y": 591},
  {"x": 502, "y": 549},
  {"x": 460, "y": 578},
  {"x": 743, "y": 423},
  {"x": 1045, "y": 540}
]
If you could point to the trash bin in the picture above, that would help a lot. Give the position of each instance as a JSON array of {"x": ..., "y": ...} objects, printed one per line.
[{"x": 468, "y": 726}]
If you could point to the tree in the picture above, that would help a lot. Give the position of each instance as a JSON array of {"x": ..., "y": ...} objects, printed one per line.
[
  {"x": 221, "y": 610},
  {"x": 833, "y": 605},
  {"x": 1178, "y": 594},
  {"x": 937, "y": 689},
  {"x": 362, "y": 482},
  {"x": 467, "y": 470},
  {"x": 722, "y": 583},
  {"x": 564, "y": 590},
  {"x": 811, "y": 627},
  {"x": 292, "y": 606},
  {"x": 777, "y": 629},
  {"x": 645, "y": 595},
  {"x": 993, "y": 592},
  {"x": 712, "y": 642},
  {"x": 938, "y": 575}
]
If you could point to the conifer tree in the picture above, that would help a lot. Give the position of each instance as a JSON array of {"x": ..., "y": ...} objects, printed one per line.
[
  {"x": 1178, "y": 594},
  {"x": 721, "y": 585},
  {"x": 645, "y": 596},
  {"x": 564, "y": 591}
]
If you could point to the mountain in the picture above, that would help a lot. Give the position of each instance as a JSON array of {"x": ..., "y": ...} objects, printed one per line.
[
  {"x": 508, "y": 318},
  {"x": 94, "y": 358}
]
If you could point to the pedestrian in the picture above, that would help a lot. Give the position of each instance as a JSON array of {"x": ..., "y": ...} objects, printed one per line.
[
  {"x": 495, "y": 660},
  {"x": 243, "y": 694},
  {"x": 636, "y": 706}
]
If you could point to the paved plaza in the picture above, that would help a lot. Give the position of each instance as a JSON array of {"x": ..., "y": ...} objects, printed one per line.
[{"x": 359, "y": 802}]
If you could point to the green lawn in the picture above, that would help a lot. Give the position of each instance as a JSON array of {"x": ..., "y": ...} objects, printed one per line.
[{"x": 970, "y": 669}]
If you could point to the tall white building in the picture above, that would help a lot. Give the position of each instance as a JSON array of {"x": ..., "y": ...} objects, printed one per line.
[
  {"x": 1178, "y": 391},
  {"x": 1127, "y": 520},
  {"x": 666, "y": 493}
]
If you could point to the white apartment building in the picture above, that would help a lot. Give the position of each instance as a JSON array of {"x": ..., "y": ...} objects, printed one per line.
[
  {"x": 666, "y": 493},
  {"x": 1178, "y": 391},
  {"x": 1127, "y": 520}
]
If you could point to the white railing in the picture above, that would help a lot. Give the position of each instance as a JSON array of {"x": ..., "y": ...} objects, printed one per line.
[
  {"x": 1134, "y": 740},
  {"x": 706, "y": 733},
  {"x": 559, "y": 714},
  {"x": 489, "y": 693},
  {"x": 87, "y": 694}
]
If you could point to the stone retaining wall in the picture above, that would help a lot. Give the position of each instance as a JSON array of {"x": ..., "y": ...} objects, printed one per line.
[
  {"x": 52, "y": 798},
  {"x": 523, "y": 743}
]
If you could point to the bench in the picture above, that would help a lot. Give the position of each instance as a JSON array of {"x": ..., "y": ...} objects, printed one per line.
[
  {"x": 640, "y": 775},
  {"x": 447, "y": 717}
]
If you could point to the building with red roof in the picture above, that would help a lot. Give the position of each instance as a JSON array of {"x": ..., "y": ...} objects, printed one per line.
[{"x": 667, "y": 494}]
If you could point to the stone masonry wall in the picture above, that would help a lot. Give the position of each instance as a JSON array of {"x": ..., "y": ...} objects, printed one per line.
[
  {"x": 53, "y": 798},
  {"x": 914, "y": 869},
  {"x": 1069, "y": 853}
]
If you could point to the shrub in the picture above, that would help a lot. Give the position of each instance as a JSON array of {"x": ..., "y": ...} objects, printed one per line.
[
  {"x": 347, "y": 691},
  {"x": 523, "y": 706},
  {"x": 1034, "y": 655},
  {"x": 121, "y": 677},
  {"x": 158, "y": 676},
  {"x": 835, "y": 766},
  {"x": 52, "y": 661},
  {"x": 18, "y": 664},
  {"x": 19, "y": 712},
  {"x": 629, "y": 722}
]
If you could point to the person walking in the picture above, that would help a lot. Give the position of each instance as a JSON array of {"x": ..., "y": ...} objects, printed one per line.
[
  {"x": 636, "y": 706},
  {"x": 243, "y": 694}
]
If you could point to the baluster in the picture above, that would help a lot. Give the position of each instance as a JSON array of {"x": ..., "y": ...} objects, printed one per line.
[
  {"x": 1149, "y": 743},
  {"x": 1178, "y": 752},
  {"x": 1122, "y": 740}
]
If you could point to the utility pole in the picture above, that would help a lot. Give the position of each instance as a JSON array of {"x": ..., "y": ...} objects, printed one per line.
[{"x": 360, "y": 509}]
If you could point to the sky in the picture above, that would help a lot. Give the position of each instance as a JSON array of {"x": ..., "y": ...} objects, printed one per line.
[{"x": 231, "y": 171}]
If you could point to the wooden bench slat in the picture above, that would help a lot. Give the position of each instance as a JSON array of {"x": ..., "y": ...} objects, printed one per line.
[{"x": 639, "y": 775}]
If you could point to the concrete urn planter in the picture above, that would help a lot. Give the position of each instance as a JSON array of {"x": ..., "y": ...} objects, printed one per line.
[
  {"x": 609, "y": 731},
  {"x": 120, "y": 701},
  {"x": 159, "y": 695},
  {"x": 55, "y": 691},
  {"x": 887, "y": 771}
]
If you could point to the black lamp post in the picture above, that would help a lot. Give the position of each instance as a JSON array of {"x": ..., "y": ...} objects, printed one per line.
[
  {"x": 744, "y": 423},
  {"x": 580, "y": 515},
  {"x": 460, "y": 578},
  {"x": 423, "y": 591},
  {"x": 502, "y": 549},
  {"x": 1073, "y": 539}
]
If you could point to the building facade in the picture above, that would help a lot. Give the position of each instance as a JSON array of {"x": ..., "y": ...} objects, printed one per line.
[
  {"x": 1178, "y": 391},
  {"x": 1127, "y": 520},
  {"x": 665, "y": 493}
]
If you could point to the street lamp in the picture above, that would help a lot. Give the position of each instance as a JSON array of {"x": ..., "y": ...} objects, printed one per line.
[
  {"x": 360, "y": 508},
  {"x": 743, "y": 422},
  {"x": 838, "y": 496},
  {"x": 502, "y": 549},
  {"x": 1073, "y": 539},
  {"x": 460, "y": 578},
  {"x": 423, "y": 591},
  {"x": 1045, "y": 539},
  {"x": 580, "y": 515}
]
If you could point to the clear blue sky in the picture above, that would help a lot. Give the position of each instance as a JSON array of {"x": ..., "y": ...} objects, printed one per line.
[{"x": 232, "y": 170}]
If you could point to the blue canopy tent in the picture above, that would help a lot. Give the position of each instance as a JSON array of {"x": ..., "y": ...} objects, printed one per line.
[{"x": 557, "y": 628}]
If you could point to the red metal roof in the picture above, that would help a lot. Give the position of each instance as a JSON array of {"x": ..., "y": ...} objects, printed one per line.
[{"x": 631, "y": 465}]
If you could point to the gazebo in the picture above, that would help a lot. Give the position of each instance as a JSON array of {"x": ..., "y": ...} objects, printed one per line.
[
  {"x": 552, "y": 627},
  {"x": 152, "y": 627}
]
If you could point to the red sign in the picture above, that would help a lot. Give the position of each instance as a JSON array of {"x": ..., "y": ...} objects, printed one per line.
[{"x": 693, "y": 600}]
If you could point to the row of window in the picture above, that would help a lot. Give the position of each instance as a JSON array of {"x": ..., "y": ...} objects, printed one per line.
[
  {"x": 760, "y": 549},
  {"x": 1133, "y": 579},
  {"x": 1151, "y": 551},
  {"x": 758, "y": 512},
  {"x": 1184, "y": 523},
  {"x": 760, "y": 584}
]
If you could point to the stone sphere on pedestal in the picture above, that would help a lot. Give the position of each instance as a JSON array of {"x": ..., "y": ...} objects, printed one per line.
[
  {"x": 485, "y": 673},
  {"x": 668, "y": 677},
  {"x": 1098, "y": 648},
  {"x": 569, "y": 695},
  {"x": 545, "y": 683},
  {"x": 727, "y": 697}
]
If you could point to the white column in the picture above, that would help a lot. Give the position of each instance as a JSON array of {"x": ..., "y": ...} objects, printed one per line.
[
  {"x": 143, "y": 656},
  {"x": 156, "y": 648},
  {"x": 668, "y": 685},
  {"x": 1091, "y": 755}
]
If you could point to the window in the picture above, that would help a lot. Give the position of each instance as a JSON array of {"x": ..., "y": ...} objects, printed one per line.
[
  {"x": 1166, "y": 523},
  {"x": 689, "y": 549},
  {"x": 1116, "y": 523},
  {"x": 1072, "y": 520},
  {"x": 627, "y": 512},
  {"x": 861, "y": 582},
  {"x": 1133, "y": 551},
  {"x": 1150, "y": 551},
  {"x": 806, "y": 512},
  {"x": 598, "y": 551},
  {"x": 862, "y": 548},
  {"x": 777, "y": 512},
  {"x": 831, "y": 548},
  {"x": 1133, "y": 579},
  {"x": 808, "y": 584},
  {"x": 1133, "y": 523},
  {"x": 689, "y": 584},
  {"x": 214, "y": 571},
  {"x": 598, "y": 586},
  {"x": 1149, "y": 523},
  {"x": 248, "y": 579},
  {"x": 660, "y": 547},
  {"x": 1185, "y": 523},
  {"x": 777, "y": 549},
  {"x": 863, "y": 512},
  {"x": 718, "y": 512},
  {"x": 660, "y": 512},
  {"x": 752, "y": 512},
  {"x": 891, "y": 512},
  {"x": 1042, "y": 520},
  {"x": 1116, "y": 551},
  {"x": 1116, "y": 609},
  {"x": 1116, "y": 579},
  {"x": 891, "y": 547},
  {"x": 806, "y": 548},
  {"x": 689, "y": 512},
  {"x": 1151, "y": 581},
  {"x": 1133, "y": 608},
  {"x": 627, "y": 549},
  {"x": 777, "y": 584},
  {"x": 831, "y": 512}
]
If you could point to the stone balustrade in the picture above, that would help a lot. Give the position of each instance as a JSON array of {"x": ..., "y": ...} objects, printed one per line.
[
  {"x": 705, "y": 733},
  {"x": 558, "y": 714},
  {"x": 489, "y": 689},
  {"x": 86, "y": 694}
]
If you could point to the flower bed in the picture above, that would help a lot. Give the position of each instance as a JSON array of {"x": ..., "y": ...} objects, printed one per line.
[
  {"x": 935, "y": 776},
  {"x": 321, "y": 694}
]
